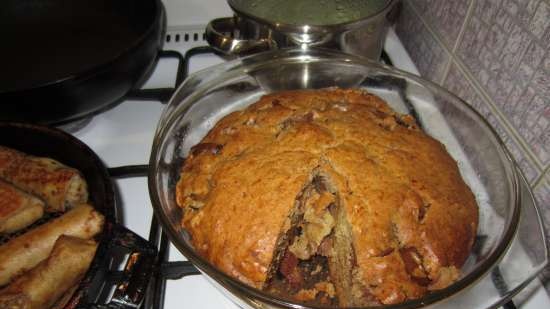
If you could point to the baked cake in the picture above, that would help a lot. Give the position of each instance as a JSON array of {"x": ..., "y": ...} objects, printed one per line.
[{"x": 328, "y": 197}]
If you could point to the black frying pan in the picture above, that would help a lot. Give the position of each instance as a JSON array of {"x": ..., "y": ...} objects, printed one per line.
[
  {"x": 115, "y": 241},
  {"x": 61, "y": 60}
]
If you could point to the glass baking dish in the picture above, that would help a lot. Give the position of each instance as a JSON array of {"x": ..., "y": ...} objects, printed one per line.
[{"x": 510, "y": 247}]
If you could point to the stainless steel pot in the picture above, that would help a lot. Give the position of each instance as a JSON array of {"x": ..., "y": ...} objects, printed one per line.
[{"x": 356, "y": 27}]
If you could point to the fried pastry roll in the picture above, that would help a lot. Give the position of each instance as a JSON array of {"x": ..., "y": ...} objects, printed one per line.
[
  {"x": 45, "y": 284},
  {"x": 58, "y": 185},
  {"x": 24, "y": 252},
  {"x": 17, "y": 208},
  {"x": 65, "y": 299},
  {"x": 9, "y": 158}
]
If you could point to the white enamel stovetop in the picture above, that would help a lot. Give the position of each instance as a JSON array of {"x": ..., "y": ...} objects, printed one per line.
[{"x": 124, "y": 134}]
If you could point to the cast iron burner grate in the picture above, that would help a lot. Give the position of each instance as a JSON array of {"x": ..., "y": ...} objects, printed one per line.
[{"x": 173, "y": 270}]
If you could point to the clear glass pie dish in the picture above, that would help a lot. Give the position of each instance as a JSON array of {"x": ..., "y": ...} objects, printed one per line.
[{"x": 509, "y": 250}]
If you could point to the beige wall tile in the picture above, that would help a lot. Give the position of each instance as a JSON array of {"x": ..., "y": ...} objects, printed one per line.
[
  {"x": 457, "y": 82},
  {"x": 430, "y": 57},
  {"x": 503, "y": 48},
  {"x": 501, "y": 66},
  {"x": 542, "y": 195},
  {"x": 445, "y": 17}
]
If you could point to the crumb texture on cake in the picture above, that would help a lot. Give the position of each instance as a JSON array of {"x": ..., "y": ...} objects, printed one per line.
[{"x": 330, "y": 196}]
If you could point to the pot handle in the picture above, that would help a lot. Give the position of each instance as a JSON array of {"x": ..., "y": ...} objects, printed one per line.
[
  {"x": 129, "y": 283},
  {"x": 219, "y": 35}
]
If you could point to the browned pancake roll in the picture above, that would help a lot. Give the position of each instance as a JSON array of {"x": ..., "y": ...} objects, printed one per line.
[
  {"x": 65, "y": 299},
  {"x": 17, "y": 208},
  {"x": 41, "y": 287},
  {"x": 26, "y": 251},
  {"x": 58, "y": 185}
]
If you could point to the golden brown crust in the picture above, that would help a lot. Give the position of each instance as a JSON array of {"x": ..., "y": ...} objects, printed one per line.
[
  {"x": 412, "y": 216},
  {"x": 8, "y": 159},
  {"x": 17, "y": 208},
  {"x": 58, "y": 185}
]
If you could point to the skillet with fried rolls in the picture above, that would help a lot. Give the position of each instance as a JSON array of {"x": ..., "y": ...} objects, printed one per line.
[{"x": 45, "y": 284}]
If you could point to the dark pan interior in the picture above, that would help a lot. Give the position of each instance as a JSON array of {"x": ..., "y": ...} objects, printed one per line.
[
  {"x": 53, "y": 143},
  {"x": 44, "y": 41}
]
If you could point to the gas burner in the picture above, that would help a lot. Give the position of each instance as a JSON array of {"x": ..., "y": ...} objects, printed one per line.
[{"x": 166, "y": 270}]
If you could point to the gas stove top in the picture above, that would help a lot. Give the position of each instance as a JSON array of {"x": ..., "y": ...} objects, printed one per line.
[{"x": 123, "y": 135}]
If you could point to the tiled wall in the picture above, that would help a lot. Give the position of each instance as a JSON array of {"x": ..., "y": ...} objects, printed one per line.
[{"x": 495, "y": 54}]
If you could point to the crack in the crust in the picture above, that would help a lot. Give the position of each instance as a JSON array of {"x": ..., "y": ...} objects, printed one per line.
[
  {"x": 317, "y": 185},
  {"x": 423, "y": 209},
  {"x": 211, "y": 148},
  {"x": 386, "y": 252},
  {"x": 279, "y": 132},
  {"x": 283, "y": 273},
  {"x": 289, "y": 121},
  {"x": 390, "y": 120},
  {"x": 402, "y": 120},
  {"x": 324, "y": 160},
  {"x": 394, "y": 232},
  {"x": 411, "y": 257},
  {"x": 414, "y": 265},
  {"x": 291, "y": 225}
]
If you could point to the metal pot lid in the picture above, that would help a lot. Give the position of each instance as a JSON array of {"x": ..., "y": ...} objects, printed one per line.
[{"x": 309, "y": 12}]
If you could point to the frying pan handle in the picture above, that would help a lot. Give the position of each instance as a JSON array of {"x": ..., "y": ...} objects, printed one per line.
[
  {"x": 130, "y": 282},
  {"x": 218, "y": 35},
  {"x": 137, "y": 272}
]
